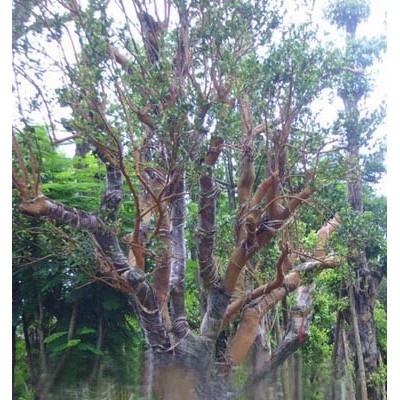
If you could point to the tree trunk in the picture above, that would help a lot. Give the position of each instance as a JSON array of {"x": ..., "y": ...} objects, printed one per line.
[
  {"x": 42, "y": 348},
  {"x": 100, "y": 336},
  {"x": 284, "y": 370},
  {"x": 361, "y": 377},
  {"x": 362, "y": 298},
  {"x": 146, "y": 381},
  {"x": 47, "y": 380},
  {"x": 363, "y": 293},
  {"x": 298, "y": 385},
  {"x": 259, "y": 352},
  {"x": 28, "y": 348}
]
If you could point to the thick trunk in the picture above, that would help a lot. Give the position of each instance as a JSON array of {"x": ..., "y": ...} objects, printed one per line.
[
  {"x": 259, "y": 352},
  {"x": 146, "y": 381},
  {"x": 217, "y": 296},
  {"x": 206, "y": 229},
  {"x": 362, "y": 294},
  {"x": 148, "y": 312},
  {"x": 163, "y": 266}
]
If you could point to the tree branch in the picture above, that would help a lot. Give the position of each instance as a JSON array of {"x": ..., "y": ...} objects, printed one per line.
[{"x": 206, "y": 227}]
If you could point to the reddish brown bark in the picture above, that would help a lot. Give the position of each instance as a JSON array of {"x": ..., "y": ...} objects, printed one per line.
[{"x": 278, "y": 289}]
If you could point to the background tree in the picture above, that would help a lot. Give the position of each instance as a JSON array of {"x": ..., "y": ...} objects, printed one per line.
[
  {"x": 365, "y": 275},
  {"x": 199, "y": 119}
]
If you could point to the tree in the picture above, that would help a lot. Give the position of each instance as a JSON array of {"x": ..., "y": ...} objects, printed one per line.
[
  {"x": 202, "y": 107},
  {"x": 363, "y": 287}
]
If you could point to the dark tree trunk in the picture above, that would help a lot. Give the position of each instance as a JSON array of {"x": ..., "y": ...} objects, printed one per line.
[
  {"x": 28, "y": 348},
  {"x": 100, "y": 337}
]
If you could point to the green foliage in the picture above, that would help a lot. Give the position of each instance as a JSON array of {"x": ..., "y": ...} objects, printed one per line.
[
  {"x": 378, "y": 378},
  {"x": 22, "y": 385},
  {"x": 192, "y": 294},
  {"x": 55, "y": 264},
  {"x": 348, "y": 13},
  {"x": 54, "y": 336},
  {"x": 367, "y": 230},
  {"x": 380, "y": 318}
]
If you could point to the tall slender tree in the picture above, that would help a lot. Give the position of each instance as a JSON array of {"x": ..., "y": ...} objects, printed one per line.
[{"x": 363, "y": 286}]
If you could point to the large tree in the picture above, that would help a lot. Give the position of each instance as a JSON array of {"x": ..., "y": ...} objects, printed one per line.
[
  {"x": 365, "y": 276},
  {"x": 204, "y": 106}
]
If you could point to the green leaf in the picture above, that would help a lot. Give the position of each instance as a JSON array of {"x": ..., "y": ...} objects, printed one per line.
[
  {"x": 73, "y": 342},
  {"x": 85, "y": 331},
  {"x": 90, "y": 348},
  {"x": 55, "y": 336}
]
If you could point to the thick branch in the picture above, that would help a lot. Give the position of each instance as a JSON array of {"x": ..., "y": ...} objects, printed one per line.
[
  {"x": 252, "y": 314},
  {"x": 248, "y": 328},
  {"x": 248, "y": 176},
  {"x": 298, "y": 332},
  {"x": 149, "y": 314},
  {"x": 236, "y": 305},
  {"x": 276, "y": 215},
  {"x": 41, "y": 206},
  {"x": 163, "y": 265},
  {"x": 206, "y": 227}
]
